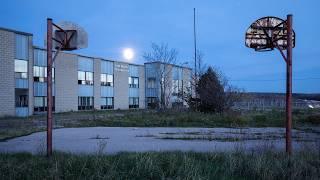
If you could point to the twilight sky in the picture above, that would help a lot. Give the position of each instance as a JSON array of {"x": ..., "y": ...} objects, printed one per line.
[{"x": 113, "y": 25}]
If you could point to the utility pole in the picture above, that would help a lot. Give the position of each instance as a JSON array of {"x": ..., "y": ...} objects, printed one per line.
[{"x": 195, "y": 56}]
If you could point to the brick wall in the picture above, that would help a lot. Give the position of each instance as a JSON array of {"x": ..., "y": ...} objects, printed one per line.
[
  {"x": 96, "y": 80},
  {"x": 121, "y": 86},
  {"x": 66, "y": 82},
  {"x": 142, "y": 88},
  {"x": 7, "y": 87},
  {"x": 30, "y": 76}
]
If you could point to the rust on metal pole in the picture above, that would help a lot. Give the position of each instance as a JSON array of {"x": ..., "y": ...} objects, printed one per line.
[
  {"x": 49, "y": 87},
  {"x": 195, "y": 43},
  {"x": 289, "y": 86}
]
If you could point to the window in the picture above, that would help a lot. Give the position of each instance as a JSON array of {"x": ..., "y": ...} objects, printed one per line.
[
  {"x": 81, "y": 76},
  {"x": 21, "y": 69},
  {"x": 152, "y": 102},
  {"x": 40, "y": 74},
  {"x": 133, "y": 82},
  {"x": 133, "y": 102},
  {"x": 151, "y": 83},
  {"x": 85, "y": 77},
  {"x": 106, "y": 80},
  {"x": 107, "y": 103},
  {"x": 89, "y": 77},
  {"x": 176, "y": 87},
  {"x": 40, "y": 104},
  {"x": 21, "y": 47},
  {"x": 21, "y": 101},
  {"x": 85, "y": 103}
]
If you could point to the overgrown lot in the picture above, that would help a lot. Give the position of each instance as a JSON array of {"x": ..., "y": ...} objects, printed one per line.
[
  {"x": 162, "y": 165},
  {"x": 13, "y": 127}
]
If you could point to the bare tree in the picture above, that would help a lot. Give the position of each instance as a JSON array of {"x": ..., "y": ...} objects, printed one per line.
[
  {"x": 189, "y": 93},
  {"x": 227, "y": 97},
  {"x": 232, "y": 94},
  {"x": 165, "y": 56}
]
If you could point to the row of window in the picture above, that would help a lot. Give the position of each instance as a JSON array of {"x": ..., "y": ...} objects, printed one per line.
[
  {"x": 177, "y": 85},
  {"x": 87, "y": 103},
  {"x": 106, "y": 79},
  {"x": 84, "y": 103},
  {"x": 85, "y": 78},
  {"x": 40, "y": 74},
  {"x": 40, "y": 104}
]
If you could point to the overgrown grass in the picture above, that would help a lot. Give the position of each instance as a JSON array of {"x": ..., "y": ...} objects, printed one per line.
[
  {"x": 196, "y": 119},
  {"x": 12, "y": 127},
  {"x": 162, "y": 165},
  {"x": 10, "y": 133}
]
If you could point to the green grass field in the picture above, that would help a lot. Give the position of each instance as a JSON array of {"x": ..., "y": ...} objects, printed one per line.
[
  {"x": 165, "y": 165},
  {"x": 13, "y": 127},
  {"x": 160, "y": 165}
]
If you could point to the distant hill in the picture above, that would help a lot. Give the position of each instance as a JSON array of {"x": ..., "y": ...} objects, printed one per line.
[
  {"x": 307, "y": 96},
  {"x": 315, "y": 96}
]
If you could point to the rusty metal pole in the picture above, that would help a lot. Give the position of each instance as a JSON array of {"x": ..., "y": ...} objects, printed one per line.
[
  {"x": 289, "y": 86},
  {"x": 49, "y": 87},
  {"x": 195, "y": 43}
]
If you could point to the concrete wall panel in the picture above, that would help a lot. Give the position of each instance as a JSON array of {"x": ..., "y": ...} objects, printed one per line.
[
  {"x": 121, "y": 85},
  {"x": 7, "y": 55},
  {"x": 66, "y": 82},
  {"x": 97, "y": 83}
]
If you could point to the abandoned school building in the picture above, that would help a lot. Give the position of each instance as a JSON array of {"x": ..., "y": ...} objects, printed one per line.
[{"x": 79, "y": 82}]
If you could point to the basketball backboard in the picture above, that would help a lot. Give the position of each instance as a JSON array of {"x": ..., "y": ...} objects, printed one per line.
[
  {"x": 268, "y": 33},
  {"x": 68, "y": 36}
]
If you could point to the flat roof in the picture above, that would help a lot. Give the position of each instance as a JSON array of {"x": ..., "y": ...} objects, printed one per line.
[
  {"x": 41, "y": 48},
  {"x": 15, "y": 31},
  {"x": 167, "y": 64},
  {"x": 68, "y": 52}
]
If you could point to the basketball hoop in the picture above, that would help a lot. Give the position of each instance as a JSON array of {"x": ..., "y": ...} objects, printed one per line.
[
  {"x": 268, "y": 33},
  {"x": 66, "y": 36}
]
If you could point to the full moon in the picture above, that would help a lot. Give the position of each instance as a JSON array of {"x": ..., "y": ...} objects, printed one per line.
[{"x": 128, "y": 53}]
